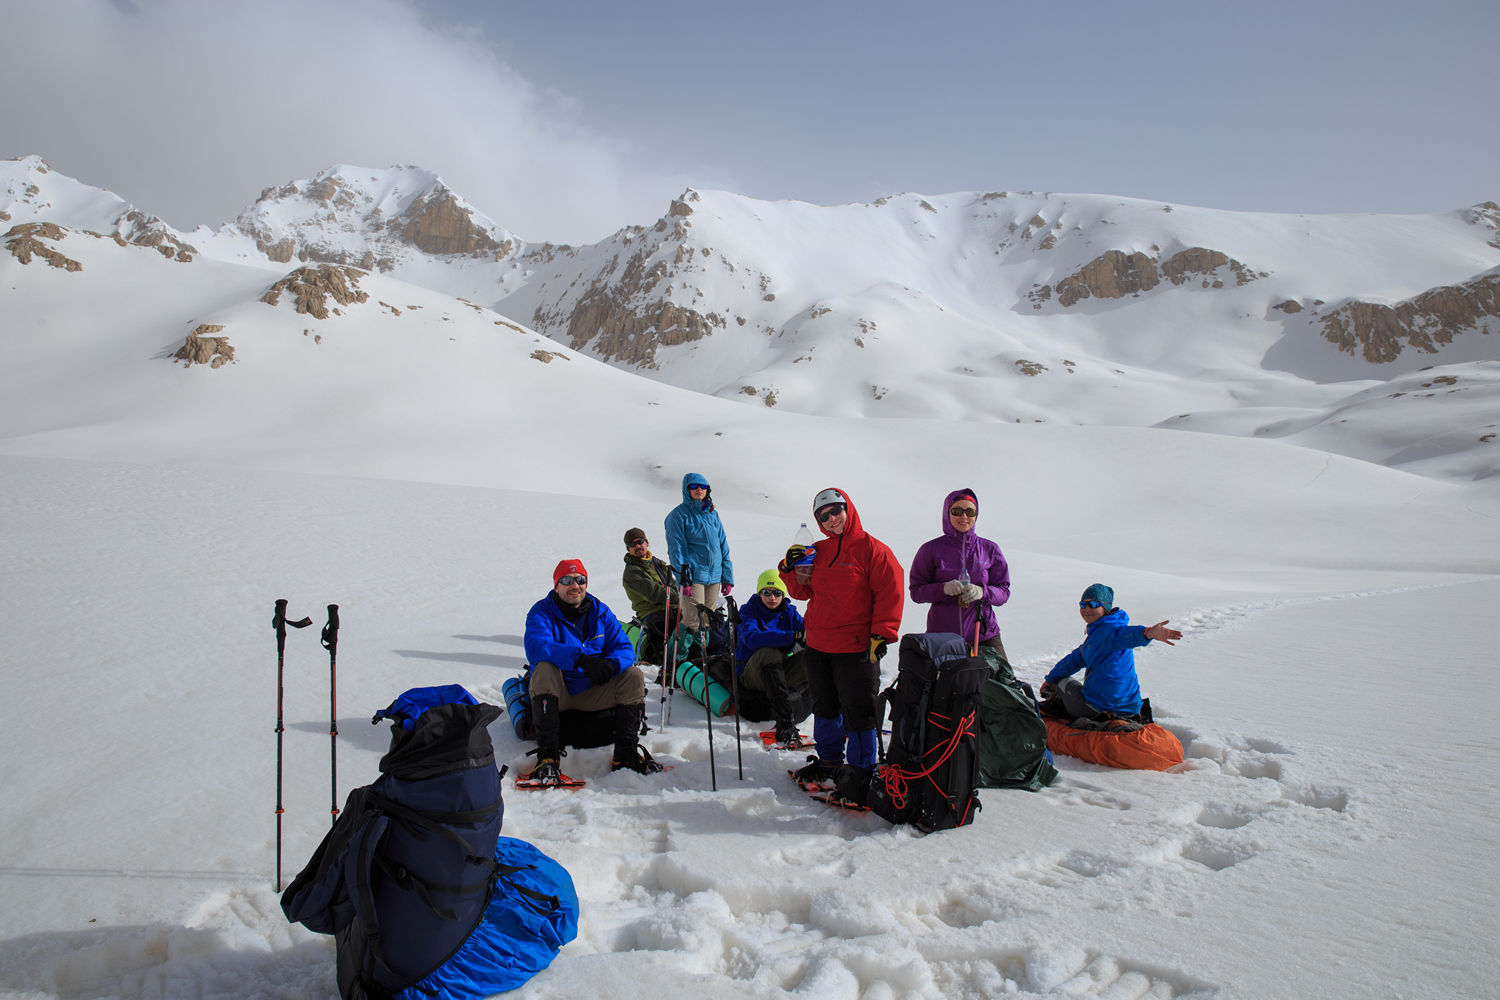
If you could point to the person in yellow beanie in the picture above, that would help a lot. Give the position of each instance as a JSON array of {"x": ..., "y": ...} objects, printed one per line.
[{"x": 767, "y": 655}]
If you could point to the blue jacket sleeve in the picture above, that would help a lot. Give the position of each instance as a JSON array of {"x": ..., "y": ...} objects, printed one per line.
[
  {"x": 546, "y": 642},
  {"x": 671, "y": 526},
  {"x": 615, "y": 643},
  {"x": 726, "y": 575},
  {"x": 1066, "y": 666}
]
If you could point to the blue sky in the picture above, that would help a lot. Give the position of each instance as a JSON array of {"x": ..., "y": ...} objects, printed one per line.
[{"x": 565, "y": 120}]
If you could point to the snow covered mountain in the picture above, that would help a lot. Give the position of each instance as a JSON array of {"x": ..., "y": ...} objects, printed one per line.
[{"x": 1011, "y": 307}]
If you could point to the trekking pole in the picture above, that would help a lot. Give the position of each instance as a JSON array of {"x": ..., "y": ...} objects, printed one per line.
[
  {"x": 704, "y": 624},
  {"x": 279, "y": 623},
  {"x": 687, "y": 581},
  {"x": 668, "y": 647},
  {"x": 734, "y": 679},
  {"x": 331, "y": 643}
]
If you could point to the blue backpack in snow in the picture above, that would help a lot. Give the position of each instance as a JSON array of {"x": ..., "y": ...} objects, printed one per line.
[{"x": 422, "y": 894}]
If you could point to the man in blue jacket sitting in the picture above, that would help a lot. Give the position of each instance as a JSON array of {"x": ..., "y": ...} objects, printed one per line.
[
  {"x": 580, "y": 658},
  {"x": 1110, "y": 686}
]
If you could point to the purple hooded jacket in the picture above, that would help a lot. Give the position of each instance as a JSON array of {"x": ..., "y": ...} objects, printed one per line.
[{"x": 941, "y": 560}]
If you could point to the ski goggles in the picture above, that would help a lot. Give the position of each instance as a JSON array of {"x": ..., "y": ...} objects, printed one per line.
[
  {"x": 969, "y": 512},
  {"x": 771, "y": 592},
  {"x": 1091, "y": 604},
  {"x": 828, "y": 512},
  {"x": 568, "y": 581}
]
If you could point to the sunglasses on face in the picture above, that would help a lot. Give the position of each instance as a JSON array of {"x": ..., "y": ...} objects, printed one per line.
[
  {"x": 568, "y": 581},
  {"x": 1090, "y": 604},
  {"x": 828, "y": 513},
  {"x": 963, "y": 512},
  {"x": 770, "y": 592},
  {"x": 696, "y": 486},
  {"x": 637, "y": 542}
]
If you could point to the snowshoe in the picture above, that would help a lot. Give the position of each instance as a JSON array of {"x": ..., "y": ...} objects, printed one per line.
[
  {"x": 817, "y": 775},
  {"x": 789, "y": 739},
  {"x": 831, "y": 797},
  {"x": 639, "y": 760},
  {"x": 547, "y": 774}
]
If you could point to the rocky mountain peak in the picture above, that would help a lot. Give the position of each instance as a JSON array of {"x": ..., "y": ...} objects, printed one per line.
[{"x": 372, "y": 219}]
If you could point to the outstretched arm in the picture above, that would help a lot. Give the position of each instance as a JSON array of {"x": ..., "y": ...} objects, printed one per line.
[{"x": 1161, "y": 633}]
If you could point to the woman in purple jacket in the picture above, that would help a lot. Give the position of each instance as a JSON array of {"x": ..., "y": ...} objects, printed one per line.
[{"x": 938, "y": 576}]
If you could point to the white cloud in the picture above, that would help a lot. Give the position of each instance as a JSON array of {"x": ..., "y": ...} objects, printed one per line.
[{"x": 188, "y": 109}]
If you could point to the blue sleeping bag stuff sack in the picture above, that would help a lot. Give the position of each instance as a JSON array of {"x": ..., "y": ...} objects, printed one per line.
[{"x": 423, "y": 896}]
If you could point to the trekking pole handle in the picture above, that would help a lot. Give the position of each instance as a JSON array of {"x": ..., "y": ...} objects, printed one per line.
[
  {"x": 331, "y": 630},
  {"x": 279, "y": 621}
]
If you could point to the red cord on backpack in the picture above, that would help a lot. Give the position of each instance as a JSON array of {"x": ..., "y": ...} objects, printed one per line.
[{"x": 896, "y": 779}]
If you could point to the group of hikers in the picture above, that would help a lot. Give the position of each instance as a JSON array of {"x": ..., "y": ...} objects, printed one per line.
[{"x": 580, "y": 656}]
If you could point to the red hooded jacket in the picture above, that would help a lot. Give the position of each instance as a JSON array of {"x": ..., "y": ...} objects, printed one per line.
[{"x": 857, "y": 590}]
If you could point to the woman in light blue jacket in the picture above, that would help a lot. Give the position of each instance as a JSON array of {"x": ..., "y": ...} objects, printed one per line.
[{"x": 698, "y": 548}]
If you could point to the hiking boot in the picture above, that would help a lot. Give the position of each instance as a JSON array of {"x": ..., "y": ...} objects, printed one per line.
[
  {"x": 852, "y": 784},
  {"x": 546, "y": 773},
  {"x": 787, "y": 736},
  {"x": 817, "y": 772},
  {"x": 639, "y": 760}
]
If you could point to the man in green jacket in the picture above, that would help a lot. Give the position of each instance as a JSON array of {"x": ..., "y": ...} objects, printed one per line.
[{"x": 648, "y": 584}]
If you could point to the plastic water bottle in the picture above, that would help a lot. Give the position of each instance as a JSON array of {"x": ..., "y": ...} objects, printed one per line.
[
  {"x": 963, "y": 578},
  {"x": 804, "y": 565}
]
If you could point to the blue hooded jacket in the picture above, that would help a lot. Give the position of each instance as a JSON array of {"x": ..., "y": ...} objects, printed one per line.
[
  {"x": 761, "y": 627},
  {"x": 696, "y": 538},
  {"x": 1109, "y": 681},
  {"x": 551, "y": 638}
]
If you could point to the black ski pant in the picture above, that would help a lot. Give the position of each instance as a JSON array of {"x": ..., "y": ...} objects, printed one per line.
[
  {"x": 846, "y": 684},
  {"x": 775, "y": 674}
]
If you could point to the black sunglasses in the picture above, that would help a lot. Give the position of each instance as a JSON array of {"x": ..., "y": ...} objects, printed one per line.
[
  {"x": 828, "y": 512},
  {"x": 770, "y": 592},
  {"x": 1091, "y": 604},
  {"x": 963, "y": 512},
  {"x": 568, "y": 581},
  {"x": 638, "y": 541}
]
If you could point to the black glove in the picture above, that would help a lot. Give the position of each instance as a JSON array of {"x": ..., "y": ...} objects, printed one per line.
[
  {"x": 597, "y": 669},
  {"x": 793, "y": 557},
  {"x": 877, "y": 648}
]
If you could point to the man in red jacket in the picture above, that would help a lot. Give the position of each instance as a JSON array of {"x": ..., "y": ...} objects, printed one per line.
[{"x": 855, "y": 595}]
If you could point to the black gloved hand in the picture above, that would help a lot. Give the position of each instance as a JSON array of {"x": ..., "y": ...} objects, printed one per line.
[
  {"x": 793, "y": 556},
  {"x": 597, "y": 669},
  {"x": 877, "y": 648}
]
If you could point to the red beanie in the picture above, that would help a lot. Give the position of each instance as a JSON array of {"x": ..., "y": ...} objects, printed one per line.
[{"x": 566, "y": 567}]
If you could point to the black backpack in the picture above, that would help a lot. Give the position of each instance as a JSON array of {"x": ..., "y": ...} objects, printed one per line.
[
  {"x": 929, "y": 774},
  {"x": 411, "y": 865}
]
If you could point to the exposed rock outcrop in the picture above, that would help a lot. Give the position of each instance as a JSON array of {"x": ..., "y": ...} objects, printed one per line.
[
  {"x": 1201, "y": 261},
  {"x": 1112, "y": 275},
  {"x": 1425, "y": 322},
  {"x": 138, "y": 229},
  {"x": 623, "y": 332},
  {"x": 312, "y": 287},
  {"x": 1116, "y": 274},
  {"x": 26, "y": 241},
  {"x": 199, "y": 349},
  {"x": 439, "y": 224}
]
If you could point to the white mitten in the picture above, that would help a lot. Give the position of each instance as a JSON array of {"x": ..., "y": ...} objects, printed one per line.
[
  {"x": 971, "y": 593},
  {"x": 952, "y": 588}
]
